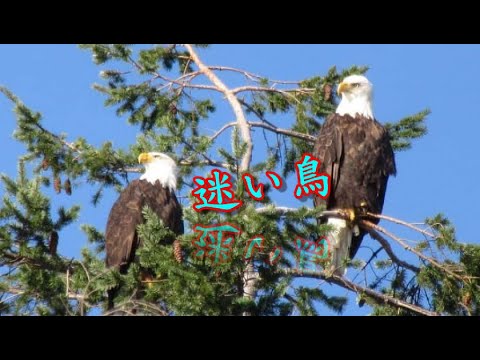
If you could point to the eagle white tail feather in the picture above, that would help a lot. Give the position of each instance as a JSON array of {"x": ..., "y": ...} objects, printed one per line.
[{"x": 340, "y": 240}]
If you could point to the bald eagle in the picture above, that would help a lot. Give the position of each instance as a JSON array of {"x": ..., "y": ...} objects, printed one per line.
[
  {"x": 355, "y": 150},
  {"x": 155, "y": 189}
]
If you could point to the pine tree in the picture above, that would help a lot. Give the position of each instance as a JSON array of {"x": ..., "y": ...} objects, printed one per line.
[{"x": 166, "y": 93}]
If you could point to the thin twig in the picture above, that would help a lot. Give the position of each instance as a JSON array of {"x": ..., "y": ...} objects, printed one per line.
[
  {"x": 234, "y": 103},
  {"x": 58, "y": 138},
  {"x": 401, "y": 222},
  {"x": 187, "y": 84},
  {"x": 369, "y": 225},
  {"x": 249, "y": 75},
  {"x": 210, "y": 163},
  {"x": 222, "y": 129},
  {"x": 252, "y": 76},
  {"x": 347, "y": 284},
  {"x": 374, "y": 255},
  {"x": 309, "y": 138},
  {"x": 68, "y": 282},
  {"x": 207, "y": 161},
  {"x": 18, "y": 291},
  {"x": 282, "y": 210},
  {"x": 465, "y": 307},
  {"x": 255, "y": 111},
  {"x": 388, "y": 249},
  {"x": 273, "y": 128},
  {"x": 14, "y": 293},
  {"x": 286, "y": 92}
]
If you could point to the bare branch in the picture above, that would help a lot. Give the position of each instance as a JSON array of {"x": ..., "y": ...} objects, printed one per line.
[
  {"x": 18, "y": 292},
  {"x": 223, "y": 128},
  {"x": 209, "y": 162},
  {"x": 269, "y": 127},
  {"x": 242, "y": 125},
  {"x": 187, "y": 84},
  {"x": 279, "y": 209},
  {"x": 309, "y": 138},
  {"x": 369, "y": 225},
  {"x": 401, "y": 222},
  {"x": 133, "y": 170},
  {"x": 286, "y": 92},
  {"x": 234, "y": 103},
  {"x": 252, "y": 76},
  {"x": 349, "y": 285}
]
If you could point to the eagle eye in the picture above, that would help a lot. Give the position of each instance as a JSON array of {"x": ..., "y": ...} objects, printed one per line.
[{"x": 355, "y": 84}]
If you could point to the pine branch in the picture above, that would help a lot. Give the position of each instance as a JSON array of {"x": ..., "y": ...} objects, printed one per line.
[
  {"x": 59, "y": 139},
  {"x": 411, "y": 127}
]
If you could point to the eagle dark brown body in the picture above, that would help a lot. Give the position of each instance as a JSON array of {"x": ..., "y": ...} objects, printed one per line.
[
  {"x": 126, "y": 214},
  {"x": 357, "y": 154}
]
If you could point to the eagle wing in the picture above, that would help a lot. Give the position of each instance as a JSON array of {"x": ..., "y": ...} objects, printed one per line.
[
  {"x": 165, "y": 204},
  {"x": 121, "y": 235},
  {"x": 357, "y": 154},
  {"x": 328, "y": 149},
  {"x": 121, "y": 240}
]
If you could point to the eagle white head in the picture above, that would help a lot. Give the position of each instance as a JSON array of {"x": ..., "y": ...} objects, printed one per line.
[
  {"x": 161, "y": 167},
  {"x": 356, "y": 92}
]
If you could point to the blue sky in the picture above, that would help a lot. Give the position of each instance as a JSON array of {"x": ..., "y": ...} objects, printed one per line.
[{"x": 439, "y": 174}]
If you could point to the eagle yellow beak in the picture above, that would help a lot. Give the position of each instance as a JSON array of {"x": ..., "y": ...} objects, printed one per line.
[
  {"x": 144, "y": 158},
  {"x": 342, "y": 87}
]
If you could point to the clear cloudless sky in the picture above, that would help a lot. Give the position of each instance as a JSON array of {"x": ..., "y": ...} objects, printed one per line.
[{"x": 439, "y": 174}]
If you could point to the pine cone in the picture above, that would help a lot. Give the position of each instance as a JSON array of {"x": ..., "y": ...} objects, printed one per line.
[
  {"x": 53, "y": 243},
  {"x": 57, "y": 184},
  {"x": 67, "y": 185},
  {"x": 177, "y": 251},
  {"x": 327, "y": 92},
  {"x": 173, "y": 109},
  {"x": 45, "y": 164},
  {"x": 467, "y": 299}
]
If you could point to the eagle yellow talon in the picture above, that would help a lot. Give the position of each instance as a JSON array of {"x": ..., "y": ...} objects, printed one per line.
[{"x": 349, "y": 213}]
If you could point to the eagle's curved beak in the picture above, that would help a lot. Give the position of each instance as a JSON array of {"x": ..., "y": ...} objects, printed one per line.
[
  {"x": 342, "y": 87},
  {"x": 144, "y": 158}
]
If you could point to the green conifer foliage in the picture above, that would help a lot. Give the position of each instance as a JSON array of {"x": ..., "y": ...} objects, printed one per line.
[{"x": 169, "y": 96}]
